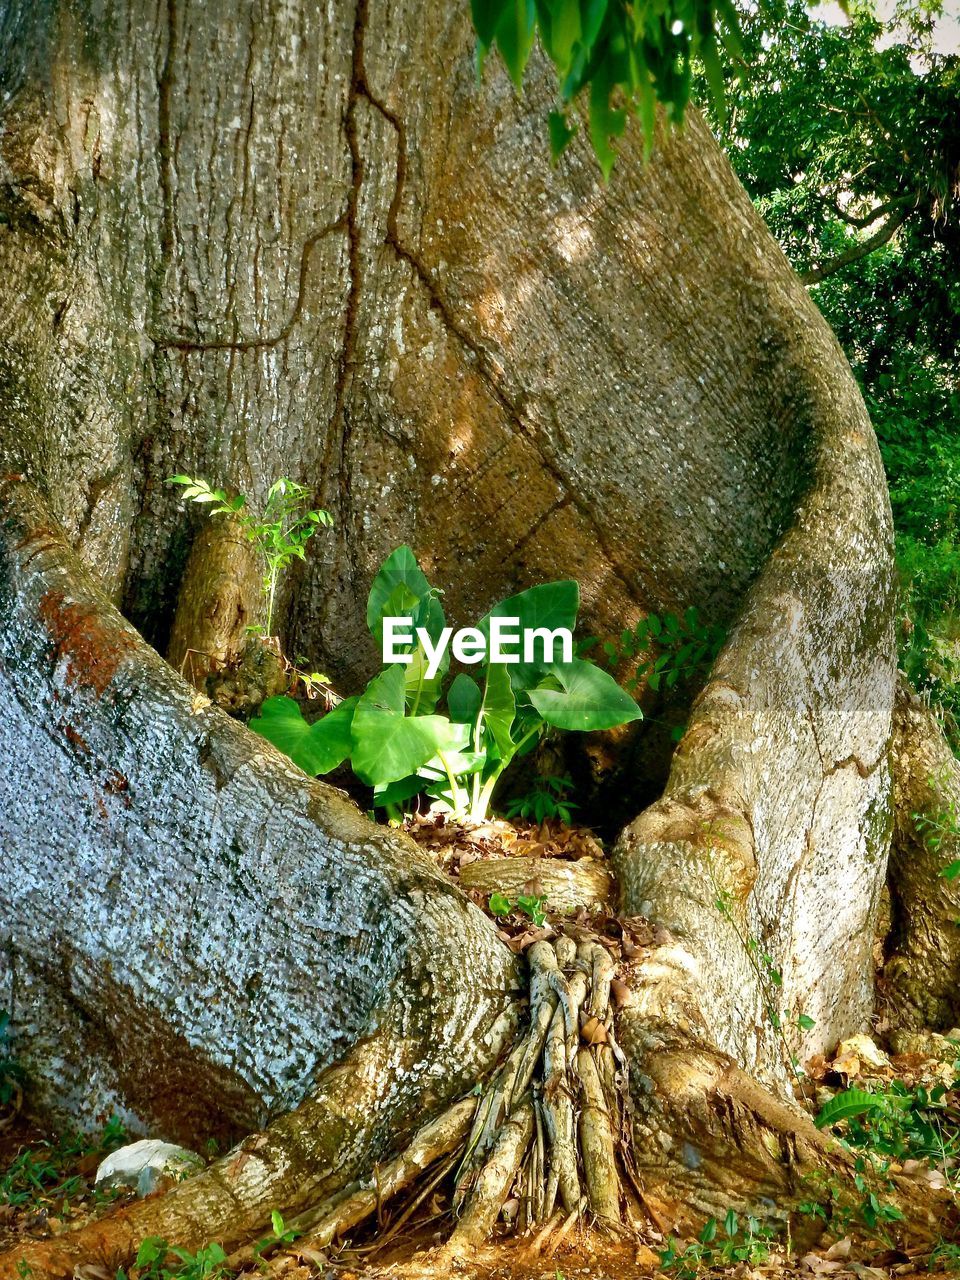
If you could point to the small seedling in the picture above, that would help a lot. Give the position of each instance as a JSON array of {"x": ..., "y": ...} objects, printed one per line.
[
  {"x": 280, "y": 533},
  {"x": 501, "y": 905},
  {"x": 208, "y": 1263},
  {"x": 281, "y": 1234},
  {"x": 547, "y": 799},
  {"x": 719, "y": 1245}
]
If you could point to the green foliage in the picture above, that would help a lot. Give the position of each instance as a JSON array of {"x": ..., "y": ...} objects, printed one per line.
[
  {"x": 938, "y": 826},
  {"x": 945, "y": 1255},
  {"x": 671, "y": 649},
  {"x": 39, "y": 1175},
  {"x": 622, "y": 57},
  {"x": 280, "y": 533},
  {"x": 547, "y": 798},
  {"x": 154, "y": 1256},
  {"x": 719, "y": 1245},
  {"x": 396, "y": 740},
  {"x": 529, "y": 904},
  {"x": 898, "y": 1122},
  {"x": 846, "y": 1105},
  {"x": 281, "y": 1234}
]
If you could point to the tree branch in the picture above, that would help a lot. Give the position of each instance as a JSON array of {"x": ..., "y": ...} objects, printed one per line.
[
  {"x": 857, "y": 251},
  {"x": 876, "y": 213}
]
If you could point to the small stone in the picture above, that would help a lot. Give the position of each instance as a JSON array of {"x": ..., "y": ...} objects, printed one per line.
[{"x": 142, "y": 1164}]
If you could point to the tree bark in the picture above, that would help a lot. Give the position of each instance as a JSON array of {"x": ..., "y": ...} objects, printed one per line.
[
  {"x": 247, "y": 239},
  {"x": 922, "y": 971}
]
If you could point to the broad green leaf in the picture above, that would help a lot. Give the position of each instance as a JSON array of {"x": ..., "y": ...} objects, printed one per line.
[
  {"x": 397, "y": 792},
  {"x": 593, "y": 13},
  {"x": 464, "y": 699},
  {"x": 561, "y": 133},
  {"x": 515, "y": 36},
  {"x": 550, "y": 605},
  {"x": 316, "y": 748},
  {"x": 399, "y": 568},
  {"x": 846, "y": 1105},
  {"x": 605, "y": 123},
  {"x": 560, "y": 30},
  {"x": 458, "y": 755},
  {"x": 499, "y": 708},
  {"x": 486, "y": 18},
  {"x": 386, "y": 744},
  {"x": 586, "y": 699}
]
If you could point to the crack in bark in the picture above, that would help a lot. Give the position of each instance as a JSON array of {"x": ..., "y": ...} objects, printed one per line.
[
  {"x": 339, "y": 416},
  {"x": 252, "y": 344},
  {"x": 864, "y": 770},
  {"x": 95, "y": 491},
  {"x": 165, "y": 156},
  {"x": 438, "y": 303},
  {"x": 559, "y": 504}
]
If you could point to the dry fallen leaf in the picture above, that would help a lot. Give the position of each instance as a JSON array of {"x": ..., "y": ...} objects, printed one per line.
[
  {"x": 819, "y": 1265},
  {"x": 592, "y": 1030},
  {"x": 620, "y": 992}
]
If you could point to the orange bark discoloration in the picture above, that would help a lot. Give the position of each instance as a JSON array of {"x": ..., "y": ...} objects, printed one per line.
[{"x": 93, "y": 652}]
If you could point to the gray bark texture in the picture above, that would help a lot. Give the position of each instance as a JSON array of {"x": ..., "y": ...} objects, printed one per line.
[{"x": 253, "y": 237}]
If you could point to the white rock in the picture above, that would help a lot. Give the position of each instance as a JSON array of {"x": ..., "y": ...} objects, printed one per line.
[{"x": 141, "y": 1164}]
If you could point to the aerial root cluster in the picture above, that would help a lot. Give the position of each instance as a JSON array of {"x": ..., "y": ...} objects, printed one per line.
[{"x": 545, "y": 1142}]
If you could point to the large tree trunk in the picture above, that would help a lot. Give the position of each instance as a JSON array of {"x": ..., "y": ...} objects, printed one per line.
[{"x": 248, "y": 238}]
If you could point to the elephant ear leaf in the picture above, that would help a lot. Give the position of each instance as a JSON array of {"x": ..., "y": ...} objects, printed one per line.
[
  {"x": 396, "y": 590},
  {"x": 316, "y": 748},
  {"x": 578, "y": 695},
  {"x": 499, "y": 708},
  {"x": 464, "y": 698},
  {"x": 551, "y": 606},
  {"x": 388, "y": 745},
  {"x": 847, "y": 1105}
]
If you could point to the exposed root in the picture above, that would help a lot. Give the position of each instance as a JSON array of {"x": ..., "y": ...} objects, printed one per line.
[
  {"x": 540, "y": 1145},
  {"x": 326, "y": 1222},
  {"x": 495, "y": 1180}
]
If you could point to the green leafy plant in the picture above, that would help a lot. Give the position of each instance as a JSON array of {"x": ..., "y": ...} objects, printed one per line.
[
  {"x": 281, "y": 1234},
  {"x": 945, "y": 1255},
  {"x": 628, "y": 56},
  {"x": 938, "y": 826},
  {"x": 548, "y": 798},
  {"x": 280, "y": 533},
  {"x": 719, "y": 1245},
  {"x": 896, "y": 1123},
  {"x": 394, "y": 737},
  {"x": 671, "y": 648},
  {"x": 529, "y": 904},
  {"x": 153, "y": 1261},
  {"x": 40, "y": 1175},
  {"x": 899, "y": 1121}
]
